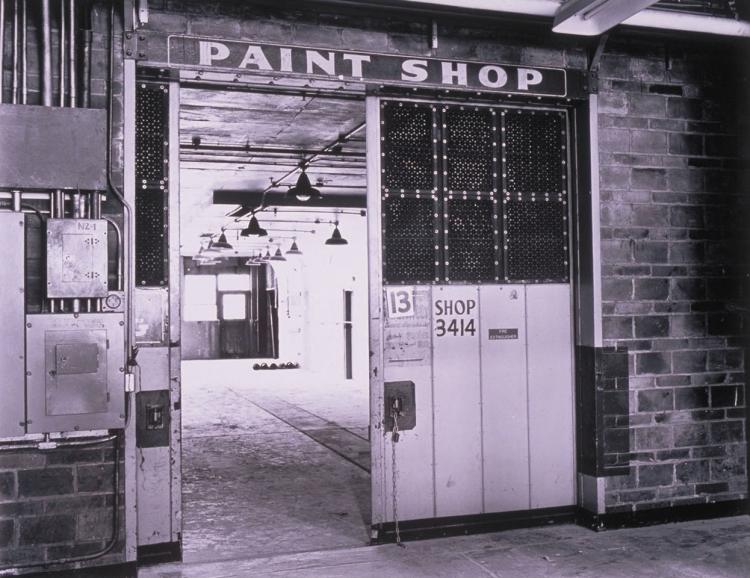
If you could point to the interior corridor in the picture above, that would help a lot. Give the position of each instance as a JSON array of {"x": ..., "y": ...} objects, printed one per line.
[{"x": 274, "y": 468}]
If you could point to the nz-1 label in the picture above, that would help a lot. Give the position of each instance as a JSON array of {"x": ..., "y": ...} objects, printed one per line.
[{"x": 507, "y": 333}]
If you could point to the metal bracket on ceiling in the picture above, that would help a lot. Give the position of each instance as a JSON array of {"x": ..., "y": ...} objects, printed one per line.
[{"x": 591, "y": 79}]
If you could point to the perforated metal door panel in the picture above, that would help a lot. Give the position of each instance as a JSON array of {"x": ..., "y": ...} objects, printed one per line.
[
  {"x": 151, "y": 171},
  {"x": 534, "y": 152},
  {"x": 500, "y": 190},
  {"x": 408, "y": 161},
  {"x": 535, "y": 196},
  {"x": 471, "y": 242},
  {"x": 150, "y": 133},
  {"x": 470, "y": 149},
  {"x": 409, "y": 239},
  {"x": 536, "y": 248}
]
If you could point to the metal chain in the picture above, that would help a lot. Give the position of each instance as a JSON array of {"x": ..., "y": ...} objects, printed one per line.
[{"x": 394, "y": 475}]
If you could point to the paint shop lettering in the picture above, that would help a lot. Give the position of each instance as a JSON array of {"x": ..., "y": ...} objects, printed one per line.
[
  {"x": 455, "y": 317},
  {"x": 365, "y": 67}
]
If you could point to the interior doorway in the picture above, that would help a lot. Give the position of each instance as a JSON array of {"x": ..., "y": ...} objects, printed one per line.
[{"x": 275, "y": 388}]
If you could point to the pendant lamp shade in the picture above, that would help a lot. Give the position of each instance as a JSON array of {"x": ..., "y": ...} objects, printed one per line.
[
  {"x": 294, "y": 249},
  {"x": 303, "y": 190},
  {"x": 336, "y": 238},
  {"x": 277, "y": 256},
  {"x": 253, "y": 229},
  {"x": 222, "y": 243}
]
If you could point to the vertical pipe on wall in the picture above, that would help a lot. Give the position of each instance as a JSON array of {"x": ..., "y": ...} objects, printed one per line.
[
  {"x": 2, "y": 45},
  {"x": 86, "y": 72},
  {"x": 14, "y": 97},
  {"x": 62, "y": 53},
  {"x": 79, "y": 201},
  {"x": 72, "y": 52},
  {"x": 46, "y": 56},
  {"x": 24, "y": 51}
]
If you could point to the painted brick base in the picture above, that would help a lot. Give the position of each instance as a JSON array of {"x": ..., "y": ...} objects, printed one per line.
[{"x": 58, "y": 504}]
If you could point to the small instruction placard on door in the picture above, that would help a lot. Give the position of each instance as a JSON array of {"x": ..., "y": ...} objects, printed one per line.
[{"x": 508, "y": 333}]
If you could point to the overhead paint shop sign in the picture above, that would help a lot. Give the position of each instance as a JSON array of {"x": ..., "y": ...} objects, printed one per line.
[{"x": 366, "y": 66}]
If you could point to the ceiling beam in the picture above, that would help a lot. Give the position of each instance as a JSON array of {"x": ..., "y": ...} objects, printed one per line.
[{"x": 251, "y": 200}]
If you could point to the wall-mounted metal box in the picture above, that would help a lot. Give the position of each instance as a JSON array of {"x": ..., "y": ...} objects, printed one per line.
[
  {"x": 151, "y": 316},
  {"x": 76, "y": 258},
  {"x": 12, "y": 403},
  {"x": 75, "y": 372},
  {"x": 53, "y": 148}
]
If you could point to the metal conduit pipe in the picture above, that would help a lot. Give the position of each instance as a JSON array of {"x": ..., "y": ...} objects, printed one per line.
[
  {"x": 118, "y": 233},
  {"x": 78, "y": 213},
  {"x": 14, "y": 97},
  {"x": 72, "y": 52},
  {"x": 2, "y": 43},
  {"x": 127, "y": 209},
  {"x": 62, "y": 53},
  {"x": 62, "y": 443},
  {"x": 24, "y": 51},
  {"x": 86, "y": 72},
  {"x": 46, "y": 55}
]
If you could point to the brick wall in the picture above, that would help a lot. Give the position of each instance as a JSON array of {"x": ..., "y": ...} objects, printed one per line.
[
  {"x": 671, "y": 219},
  {"x": 57, "y": 504}
]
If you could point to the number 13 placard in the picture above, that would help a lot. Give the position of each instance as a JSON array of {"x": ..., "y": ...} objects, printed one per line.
[{"x": 399, "y": 302}]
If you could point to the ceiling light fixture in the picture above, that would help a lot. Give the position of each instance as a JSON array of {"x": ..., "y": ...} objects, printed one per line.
[
  {"x": 303, "y": 190},
  {"x": 294, "y": 249},
  {"x": 253, "y": 229},
  {"x": 277, "y": 256},
  {"x": 222, "y": 243},
  {"x": 336, "y": 238}
]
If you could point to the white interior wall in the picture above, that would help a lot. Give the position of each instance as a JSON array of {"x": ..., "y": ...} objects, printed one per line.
[{"x": 311, "y": 285}]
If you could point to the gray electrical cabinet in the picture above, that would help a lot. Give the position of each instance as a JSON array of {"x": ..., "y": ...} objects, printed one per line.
[
  {"x": 75, "y": 372},
  {"x": 12, "y": 403},
  {"x": 76, "y": 258}
]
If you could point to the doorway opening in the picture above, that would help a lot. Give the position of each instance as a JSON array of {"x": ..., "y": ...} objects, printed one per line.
[{"x": 274, "y": 335}]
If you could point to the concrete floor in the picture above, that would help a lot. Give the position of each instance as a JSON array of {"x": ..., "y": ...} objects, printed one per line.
[
  {"x": 715, "y": 548},
  {"x": 275, "y": 484},
  {"x": 274, "y": 468}
]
